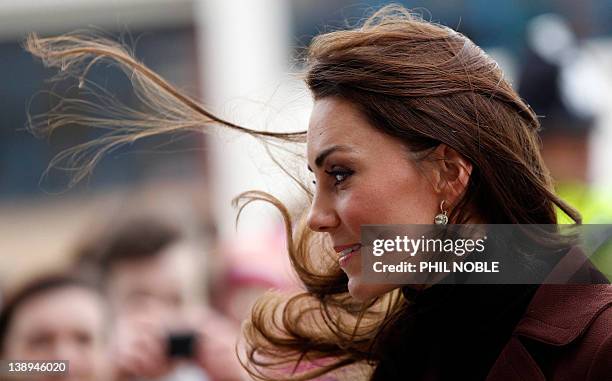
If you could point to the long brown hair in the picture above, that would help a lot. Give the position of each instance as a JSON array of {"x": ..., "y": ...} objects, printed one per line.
[{"x": 419, "y": 82}]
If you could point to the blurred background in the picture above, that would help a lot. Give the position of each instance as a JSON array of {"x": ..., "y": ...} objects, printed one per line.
[{"x": 241, "y": 58}]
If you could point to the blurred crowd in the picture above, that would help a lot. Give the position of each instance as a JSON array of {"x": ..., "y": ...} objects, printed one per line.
[{"x": 144, "y": 298}]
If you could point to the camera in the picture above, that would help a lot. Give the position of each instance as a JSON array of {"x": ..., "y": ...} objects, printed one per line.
[{"x": 182, "y": 344}]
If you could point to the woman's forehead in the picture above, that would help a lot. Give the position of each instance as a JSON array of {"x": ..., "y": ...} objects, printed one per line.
[{"x": 336, "y": 121}]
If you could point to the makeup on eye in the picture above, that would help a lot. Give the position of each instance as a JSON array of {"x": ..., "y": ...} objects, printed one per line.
[
  {"x": 326, "y": 153},
  {"x": 339, "y": 174}
]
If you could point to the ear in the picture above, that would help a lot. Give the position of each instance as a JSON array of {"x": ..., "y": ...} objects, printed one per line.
[{"x": 451, "y": 173}]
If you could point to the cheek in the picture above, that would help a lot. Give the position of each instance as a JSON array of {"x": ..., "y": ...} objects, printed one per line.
[
  {"x": 358, "y": 207},
  {"x": 407, "y": 198},
  {"x": 404, "y": 201}
]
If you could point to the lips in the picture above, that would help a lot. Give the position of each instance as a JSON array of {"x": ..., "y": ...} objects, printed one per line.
[{"x": 346, "y": 252}]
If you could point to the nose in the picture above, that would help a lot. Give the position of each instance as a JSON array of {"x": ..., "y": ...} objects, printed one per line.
[
  {"x": 70, "y": 351},
  {"x": 322, "y": 217}
]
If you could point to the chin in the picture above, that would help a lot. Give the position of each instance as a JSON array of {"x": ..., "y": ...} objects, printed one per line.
[
  {"x": 357, "y": 289},
  {"x": 364, "y": 292}
]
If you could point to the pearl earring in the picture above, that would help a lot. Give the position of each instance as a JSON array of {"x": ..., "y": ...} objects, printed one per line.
[{"x": 442, "y": 217}]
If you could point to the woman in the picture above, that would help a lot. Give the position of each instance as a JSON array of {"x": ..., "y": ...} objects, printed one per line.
[{"x": 411, "y": 121}]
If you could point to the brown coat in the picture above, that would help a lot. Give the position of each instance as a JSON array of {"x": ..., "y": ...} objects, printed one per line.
[{"x": 566, "y": 334}]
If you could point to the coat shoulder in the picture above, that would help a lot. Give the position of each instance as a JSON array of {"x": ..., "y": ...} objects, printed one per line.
[
  {"x": 566, "y": 334},
  {"x": 572, "y": 327}
]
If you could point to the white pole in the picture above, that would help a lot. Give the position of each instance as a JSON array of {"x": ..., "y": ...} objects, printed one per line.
[{"x": 244, "y": 49}]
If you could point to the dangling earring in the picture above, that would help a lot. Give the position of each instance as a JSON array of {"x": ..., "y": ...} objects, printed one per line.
[{"x": 442, "y": 217}]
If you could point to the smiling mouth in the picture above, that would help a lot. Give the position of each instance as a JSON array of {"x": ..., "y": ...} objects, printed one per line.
[{"x": 349, "y": 250}]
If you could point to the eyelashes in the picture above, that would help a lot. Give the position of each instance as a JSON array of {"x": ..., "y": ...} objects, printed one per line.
[{"x": 338, "y": 175}]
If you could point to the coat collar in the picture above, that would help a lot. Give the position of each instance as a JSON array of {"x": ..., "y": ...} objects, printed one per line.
[{"x": 558, "y": 314}]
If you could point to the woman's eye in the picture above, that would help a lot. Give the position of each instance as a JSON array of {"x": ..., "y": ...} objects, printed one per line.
[{"x": 339, "y": 175}]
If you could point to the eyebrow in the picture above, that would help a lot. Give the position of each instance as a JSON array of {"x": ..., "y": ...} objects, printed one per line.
[{"x": 320, "y": 159}]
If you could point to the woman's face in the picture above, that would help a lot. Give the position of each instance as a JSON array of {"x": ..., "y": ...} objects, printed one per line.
[{"x": 363, "y": 176}]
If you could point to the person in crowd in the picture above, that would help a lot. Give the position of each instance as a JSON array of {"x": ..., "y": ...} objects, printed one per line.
[
  {"x": 412, "y": 124},
  {"x": 162, "y": 329},
  {"x": 58, "y": 317},
  {"x": 249, "y": 266}
]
